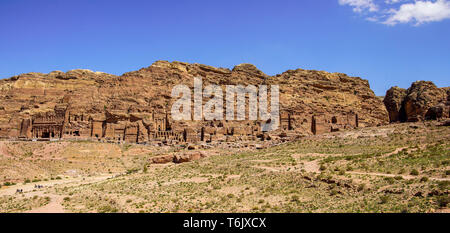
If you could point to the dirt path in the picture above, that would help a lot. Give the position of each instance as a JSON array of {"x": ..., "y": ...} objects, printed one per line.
[
  {"x": 396, "y": 151},
  {"x": 55, "y": 204},
  {"x": 270, "y": 169},
  {"x": 47, "y": 184},
  {"x": 406, "y": 177},
  {"x": 312, "y": 166}
]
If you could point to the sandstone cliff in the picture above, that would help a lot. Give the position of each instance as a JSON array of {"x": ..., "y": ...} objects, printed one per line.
[
  {"x": 394, "y": 104},
  {"x": 422, "y": 101},
  {"x": 101, "y": 104}
]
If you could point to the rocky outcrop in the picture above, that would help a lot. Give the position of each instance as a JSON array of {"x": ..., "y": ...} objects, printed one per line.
[
  {"x": 394, "y": 104},
  {"x": 422, "y": 96},
  {"x": 135, "y": 106},
  {"x": 422, "y": 101},
  {"x": 161, "y": 159},
  {"x": 188, "y": 157},
  {"x": 335, "y": 100},
  {"x": 180, "y": 157}
]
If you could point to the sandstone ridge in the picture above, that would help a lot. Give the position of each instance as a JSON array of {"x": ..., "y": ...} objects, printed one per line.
[{"x": 135, "y": 107}]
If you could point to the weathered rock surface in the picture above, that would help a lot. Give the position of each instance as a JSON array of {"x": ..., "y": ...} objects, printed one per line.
[
  {"x": 188, "y": 157},
  {"x": 422, "y": 96},
  {"x": 334, "y": 98},
  {"x": 135, "y": 107},
  {"x": 422, "y": 101},
  {"x": 180, "y": 157},
  {"x": 162, "y": 159},
  {"x": 394, "y": 104}
]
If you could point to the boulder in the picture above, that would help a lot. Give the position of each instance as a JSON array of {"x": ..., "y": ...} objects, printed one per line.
[
  {"x": 162, "y": 159},
  {"x": 394, "y": 104},
  {"x": 422, "y": 101},
  {"x": 188, "y": 157},
  {"x": 422, "y": 95}
]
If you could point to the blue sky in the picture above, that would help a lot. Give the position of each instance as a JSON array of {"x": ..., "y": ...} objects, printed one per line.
[{"x": 388, "y": 42}]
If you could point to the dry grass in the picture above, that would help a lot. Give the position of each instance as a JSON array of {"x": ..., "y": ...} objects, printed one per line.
[{"x": 400, "y": 168}]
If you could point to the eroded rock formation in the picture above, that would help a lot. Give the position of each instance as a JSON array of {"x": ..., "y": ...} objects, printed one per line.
[
  {"x": 135, "y": 107},
  {"x": 394, "y": 104},
  {"x": 422, "y": 101}
]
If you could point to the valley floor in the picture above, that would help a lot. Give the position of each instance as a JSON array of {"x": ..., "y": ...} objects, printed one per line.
[{"x": 394, "y": 168}]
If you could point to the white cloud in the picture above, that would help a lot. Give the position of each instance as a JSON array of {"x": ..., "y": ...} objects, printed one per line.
[
  {"x": 360, "y": 5},
  {"x": 372, "y": 19},
  {"x": 393, "y": 1},
  {"x": 420, "y": 12},
  {"x": 392, "y": 12}
]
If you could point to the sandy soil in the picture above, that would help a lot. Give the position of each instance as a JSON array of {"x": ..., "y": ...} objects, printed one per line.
[{"x": 54, "y": 206}]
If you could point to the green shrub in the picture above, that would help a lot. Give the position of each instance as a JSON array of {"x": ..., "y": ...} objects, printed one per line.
[
  {"x": 131, "y": 171},
  {"x": 384, "y": 199},
  {"x": 443, "y": 185},
  {"x": 28, "y": 154},
  {"x": 361, "y": 187},
  {"x": 7, "y": 183},
  {"x": 390, "y": 180},
  {"x": 414, "y": 172},
  {"x": 333, "y": 192},
  {"x": 107, "y": 209},
  {"x": 443, "y": 201}
]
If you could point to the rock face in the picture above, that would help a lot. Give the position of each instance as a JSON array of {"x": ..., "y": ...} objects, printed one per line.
[
  {"x": 135, "y": 107},
  {"x": 422, "y": 101},
  {"x": 334, "y": 100},
  {"x": 394, "y": 104}
]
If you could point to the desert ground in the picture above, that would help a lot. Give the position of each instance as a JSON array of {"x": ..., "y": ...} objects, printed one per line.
[{"x": 393, "y": 168}]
